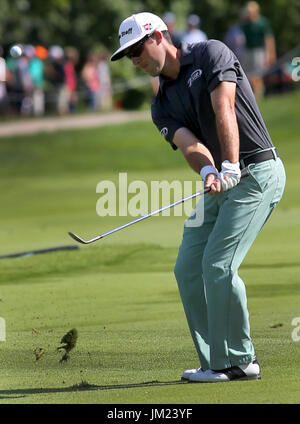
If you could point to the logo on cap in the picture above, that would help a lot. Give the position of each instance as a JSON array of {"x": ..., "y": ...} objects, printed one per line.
[
  {"x": 123, "y": 33},
  {"x": 148, "y": 26}
]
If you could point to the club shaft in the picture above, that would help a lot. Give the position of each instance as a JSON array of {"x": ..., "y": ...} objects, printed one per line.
[
  {"x": 141, "y": 218},
  {"x": 177, "y": 202},
  {"x": 245, "y": 172}
]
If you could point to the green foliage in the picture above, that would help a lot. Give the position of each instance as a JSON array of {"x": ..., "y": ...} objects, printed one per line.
[
  {"x": 133, "y": 99},
  {"x": 219, "y": 15},
  {"x": 84, "y": 23}
]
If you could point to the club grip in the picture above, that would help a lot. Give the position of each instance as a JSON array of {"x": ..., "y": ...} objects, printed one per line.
[{"x": 245, "y": 172}]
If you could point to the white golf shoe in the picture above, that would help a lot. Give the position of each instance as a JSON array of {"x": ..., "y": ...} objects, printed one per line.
[
  {"x": 187, "y": 373},
  {"x": 242, "y": 372}
]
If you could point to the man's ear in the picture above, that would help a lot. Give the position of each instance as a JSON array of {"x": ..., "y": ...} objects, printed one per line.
[{"x": 157, "y": 36}]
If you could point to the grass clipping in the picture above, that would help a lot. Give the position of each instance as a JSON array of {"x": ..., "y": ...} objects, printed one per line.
[{"x": 70, "y": 340}]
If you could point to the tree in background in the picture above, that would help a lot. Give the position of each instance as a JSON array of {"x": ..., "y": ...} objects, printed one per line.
[
  {"x": 88, "y": 24},
  {"x": 284, "y": 15},
  {"x": 84, "y": 23}
]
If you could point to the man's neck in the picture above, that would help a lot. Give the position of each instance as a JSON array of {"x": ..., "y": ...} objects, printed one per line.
[{"x": 172, "y": 64}]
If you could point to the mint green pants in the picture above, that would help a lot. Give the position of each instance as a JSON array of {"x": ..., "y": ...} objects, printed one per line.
[{"x": 212, "y": 293}]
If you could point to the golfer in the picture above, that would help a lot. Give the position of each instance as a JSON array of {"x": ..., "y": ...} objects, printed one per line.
[{"x": 206, "y": 109}]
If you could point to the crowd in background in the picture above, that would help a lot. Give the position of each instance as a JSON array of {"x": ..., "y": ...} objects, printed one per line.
[{"x": 47, "y": 79}]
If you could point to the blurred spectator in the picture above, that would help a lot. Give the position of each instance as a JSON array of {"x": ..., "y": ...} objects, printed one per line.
[
  {"x": 70, "y": 89},
  {"x": 170, "y": 20},
  {"x": 37, "y": 71},
  {"x": 26, "y": 80},
  {"x": 260, "y": 50},
  {"x": 90, "y": 77},
  {"x": 55, "y": 75},
  {"x": 3, "y": 92},
  {"x": 14, "y": 85},
  {"x": 194, "y": 34},
  {"x": 35, "y": 86},
  {"x": 235, "y": 38},
  {"x": 105, "y": 89}
]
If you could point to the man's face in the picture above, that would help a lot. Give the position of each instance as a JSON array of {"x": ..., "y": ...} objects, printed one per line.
[{"x": 148, "y": 55}]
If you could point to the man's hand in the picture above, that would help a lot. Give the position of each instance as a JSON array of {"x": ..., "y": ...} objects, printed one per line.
[
  {"x": 213, "y": 181},
  {"x": 210, "y": 176},
  {"x": 228, "y": 178},
  {"x": 230, "y": 175}
]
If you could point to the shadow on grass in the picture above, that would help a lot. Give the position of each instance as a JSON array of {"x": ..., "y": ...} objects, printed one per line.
[{"x": 83, "y": 386}]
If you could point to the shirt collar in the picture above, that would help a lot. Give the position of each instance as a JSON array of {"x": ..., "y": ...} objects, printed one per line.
[{"x": 186, "y": 58}]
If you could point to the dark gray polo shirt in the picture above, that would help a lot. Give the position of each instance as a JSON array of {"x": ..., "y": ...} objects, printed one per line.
[{"x": 185, "y": 101}]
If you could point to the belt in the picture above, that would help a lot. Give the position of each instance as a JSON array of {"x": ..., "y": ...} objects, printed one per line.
[{"x": 259, "y": 157}]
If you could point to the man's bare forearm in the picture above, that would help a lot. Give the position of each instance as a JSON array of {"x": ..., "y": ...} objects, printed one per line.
[
  {"x": 223, "y": 102},
  {"x": 195, "y": 153},
  {"x": 228, "y": 134}
]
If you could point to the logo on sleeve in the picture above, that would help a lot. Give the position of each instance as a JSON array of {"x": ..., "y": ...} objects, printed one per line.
[
  {"x": 195, "y": 75},
  {"x": 164, "y": 131}
]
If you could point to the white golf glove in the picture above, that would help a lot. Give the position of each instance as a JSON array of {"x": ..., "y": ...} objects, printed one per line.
[{"x": 232, "y": 172}]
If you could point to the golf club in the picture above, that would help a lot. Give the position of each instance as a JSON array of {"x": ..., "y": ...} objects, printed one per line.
[{"x": 244, "y": 173}]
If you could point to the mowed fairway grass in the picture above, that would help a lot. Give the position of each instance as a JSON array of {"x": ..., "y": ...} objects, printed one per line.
[{"x": 120, "y": 293}]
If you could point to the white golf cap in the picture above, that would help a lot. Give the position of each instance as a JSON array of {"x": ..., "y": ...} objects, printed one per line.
[{"x": 136, "y": 27}]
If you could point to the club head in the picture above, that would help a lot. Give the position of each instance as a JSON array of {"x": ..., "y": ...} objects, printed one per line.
[
  {"x": 77, "y": 238},
  {"x": 80, "y": 240}
]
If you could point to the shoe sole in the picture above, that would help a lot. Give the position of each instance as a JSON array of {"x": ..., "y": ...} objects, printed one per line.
[{"x": 247, "y": 378}]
